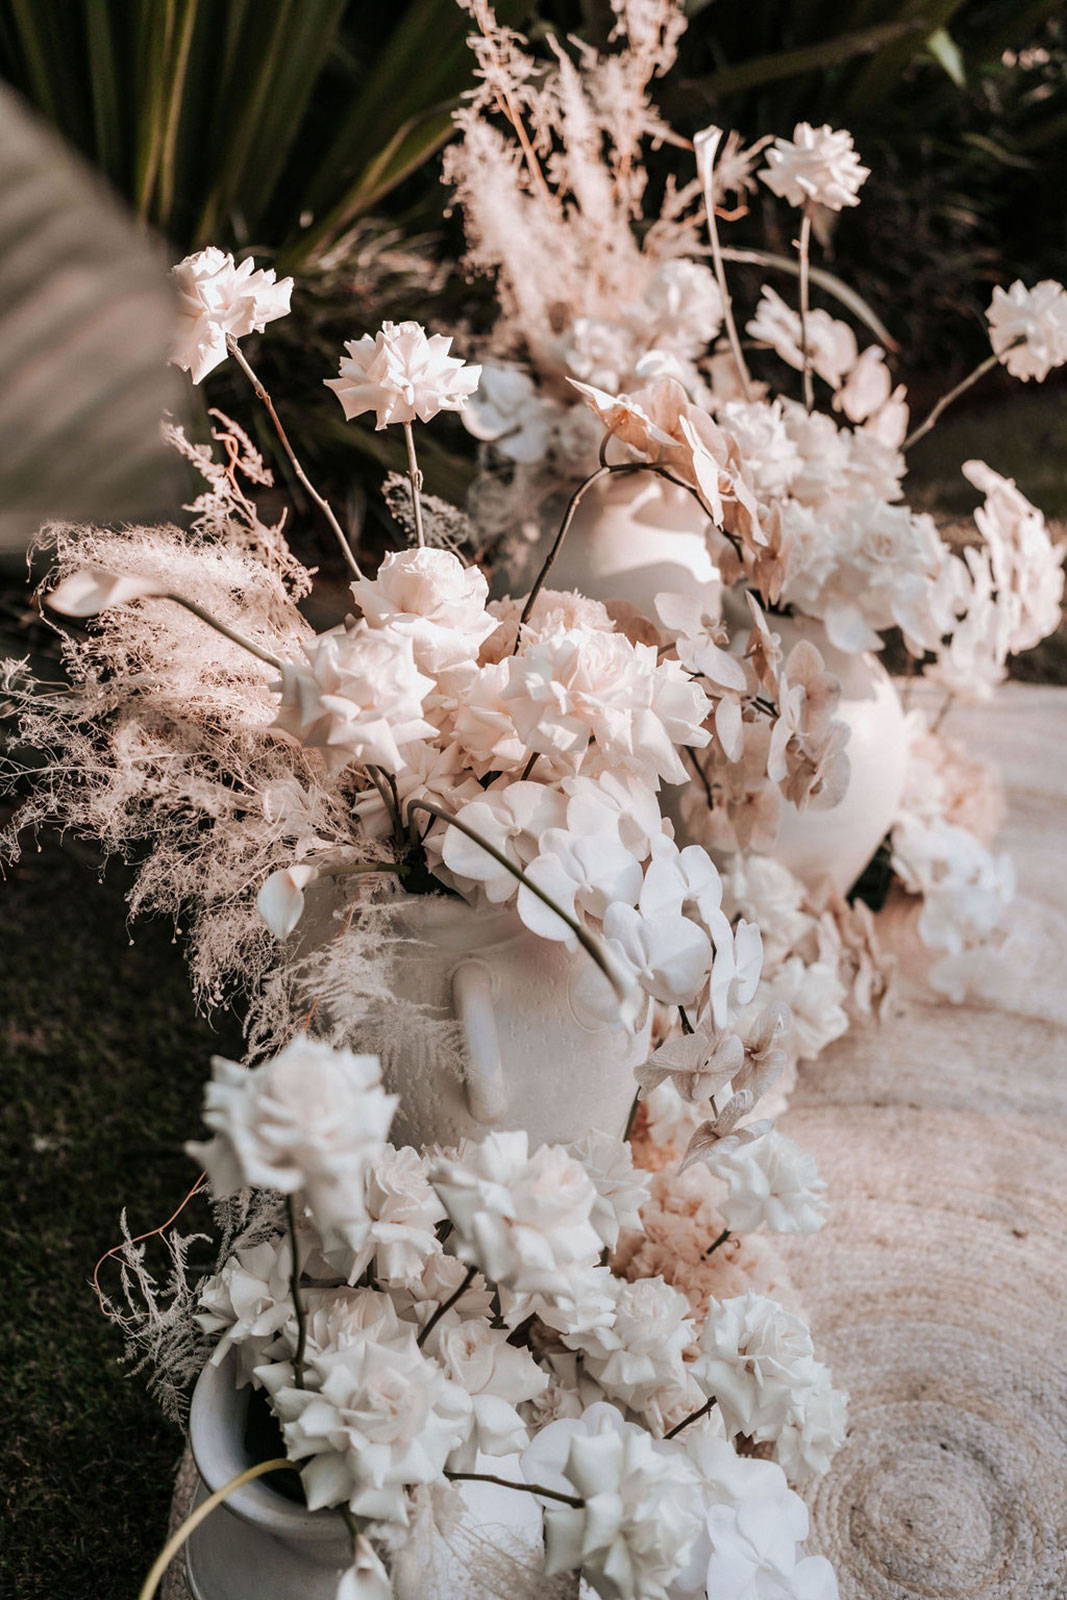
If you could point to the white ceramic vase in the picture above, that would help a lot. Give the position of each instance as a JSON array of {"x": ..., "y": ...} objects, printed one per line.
[
  {"x": 543, "y": 1048},
  {"x": 839, "y": 842},
  {"x": 260, "y": 1545},
  {"x": 634, "y": 536}
]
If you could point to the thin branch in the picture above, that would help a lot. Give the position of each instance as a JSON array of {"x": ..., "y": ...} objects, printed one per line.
[
  {"x": 804, "y": 251},
  {"x": 446, "y": 1306},
  {"x": 192, "y": 1522},
  {"x": 723, "y": 1236},
  {"x": 227, "y": 632},
  {"x": 707, "y": 171},
  {"x": 415, "y": 479},
  {"x": 953, "y": 394},
  {"x": 320, "y": 500},
  {"x": 294, "y": 1289},
  {"x": 694, "y": 1416},
  {"x": 506, "y": 1483}
]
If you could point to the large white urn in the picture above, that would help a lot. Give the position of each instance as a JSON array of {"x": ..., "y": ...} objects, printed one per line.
[
  {"x": 543, "y": 1047},
  {"x": 261, "y": 1545},
  {"x": 839, "y": 842},
  {"x": 634, "y": 535}
]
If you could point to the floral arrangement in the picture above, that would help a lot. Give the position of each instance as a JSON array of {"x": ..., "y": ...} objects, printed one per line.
[
  {"x": 638, "y": 355},
  {"x": 610, "y": 778},
  {"x": 418, "y": 1321}
]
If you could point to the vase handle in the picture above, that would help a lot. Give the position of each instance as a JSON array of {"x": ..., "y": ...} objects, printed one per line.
[{"x": 472, "y": 994}]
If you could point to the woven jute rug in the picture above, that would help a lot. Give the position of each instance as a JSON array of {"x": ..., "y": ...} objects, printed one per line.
[{"x": 938, "y": 1290}]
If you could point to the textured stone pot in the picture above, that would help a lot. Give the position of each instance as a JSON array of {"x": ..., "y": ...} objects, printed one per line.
[
  {"x": 838, "y": 843},
  {"x": 633, "y": 537},
  {"x": 543, "y": 1048},
  {"x": 259, "y": 1545}
]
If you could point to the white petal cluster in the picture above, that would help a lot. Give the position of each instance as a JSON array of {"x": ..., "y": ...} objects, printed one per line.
[
  {"x": 1028, "y": 328},
  {"x": 771, "y": 1183},
  {"x": 831, "y": 344},
  {"x": 376, "y": 1417},
  {"x": 402, "y": 1216},
  {"x": 249, "y": 1304},
  {"x": 308, "y": 1122},
  {"x": 757, "y": 1360},
  {"x": 524, "y": 1219},
  {"x": 431, "y": 598},
  {"x": 217, "y": 297},
  {"x": 638, "y": 1359},
  {"x": 401, "y": 373},
  {"x": 497, "y": 1376},
  {"x": 819, "y": 165},
  {"x": 621, "y": 1188},
  {"x": 642, "y": 1511},
  {"x": 359, "y": 698},
  {"x": 966, "y": 891},
  {"x": 751, "y": 1545}
]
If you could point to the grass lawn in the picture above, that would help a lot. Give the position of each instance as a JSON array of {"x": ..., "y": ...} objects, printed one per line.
[{"x": 103, "y": 1063}]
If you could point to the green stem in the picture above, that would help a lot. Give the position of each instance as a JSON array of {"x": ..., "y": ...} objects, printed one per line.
[
  {"x": 302, "y": 477},
  {"x": 294, "y": 1289},
  {"x": 506, "y": 1483}
]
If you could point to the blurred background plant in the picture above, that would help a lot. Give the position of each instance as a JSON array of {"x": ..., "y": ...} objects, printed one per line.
[{"x": 306, "y": 132}]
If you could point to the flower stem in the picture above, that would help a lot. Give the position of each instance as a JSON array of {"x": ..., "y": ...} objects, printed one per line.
[
  {"x": 507, "y": 1483},
  {"x": 227, "y": 632},
  {"x": 804, "y": 250},
  {"x": 294, "y": 1289},
  {"x": 415, "y": 476},
  {"x": 723, "y": 1236},
  {"x": 193, "y": 1521},
  {"x": 589, "y": 944},
  {"x": 631, "y": 1118},
  {"x": 320, "y": 500},
  {"x": 720, "y": 272},
  {"x": 694, "y": 1416},
  {"x": 946, "y": 399},
  {"x": 446, "y": 1306}
]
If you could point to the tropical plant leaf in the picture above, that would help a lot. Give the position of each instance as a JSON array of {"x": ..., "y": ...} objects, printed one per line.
[
  {"x": 86, "y": 316},
  {"x": 815, "y": 57}
]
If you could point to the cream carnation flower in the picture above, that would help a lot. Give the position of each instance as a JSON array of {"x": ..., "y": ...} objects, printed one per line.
[
  {"x": 622, "y": 1188},
  {"x": 524, "y": 1219},
  {"x": 817, "y": 164},
  {"x": 815, "y": 1432},
  {"x": 1028, "y": 328},
  {"x": 638, "y": 1360},
  {"x": 399, "y": 373},
  {"x": 377, "y": 1416},
  {"x": 642, "y": 1509},
  {"x": 249, "y": 1304},
  {"x": 772, "y": 1182},
  {"x": 308, "y": 1122},
  {"x": 497, "y": 1376},
  {"x": 403, "y": 1212},
  {"x": 430, "y": 597},
  {"x": 215, "y": 298},
  {"x": 360, "y": 698},
  {"x": 756, "y": 1359}
]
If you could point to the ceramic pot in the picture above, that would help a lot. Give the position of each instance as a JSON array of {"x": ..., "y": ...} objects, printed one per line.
[
  {"x": 259, "y": 1545},
  {"x": 838, "y": 843},
  {"x": 633, "y": 537},
  {"x": 543, "y": 1048}
]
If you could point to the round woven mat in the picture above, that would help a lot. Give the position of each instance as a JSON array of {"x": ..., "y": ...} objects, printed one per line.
[{"x": 938, "y": 1290}]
